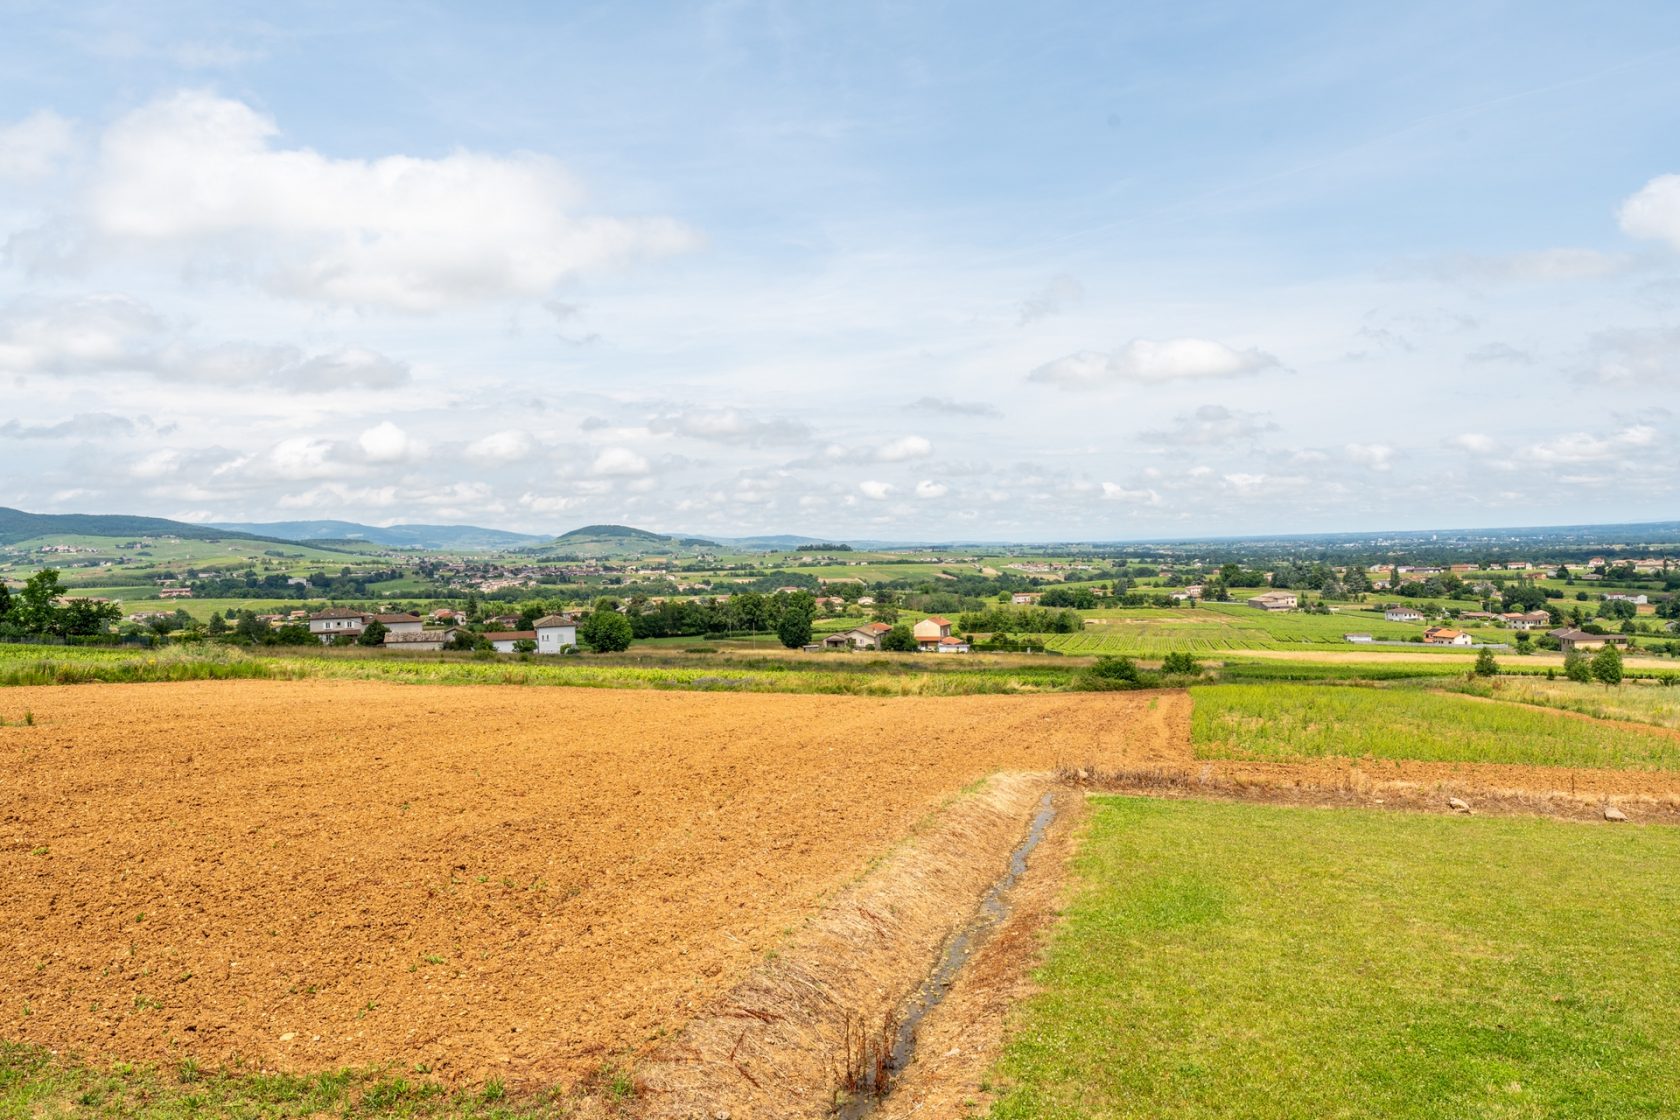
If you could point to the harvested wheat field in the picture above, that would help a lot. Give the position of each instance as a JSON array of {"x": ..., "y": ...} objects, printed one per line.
[{"x": 530, "y": 884}]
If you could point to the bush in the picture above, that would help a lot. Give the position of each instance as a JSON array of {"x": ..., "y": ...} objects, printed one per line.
[
  {"x": 900, "y": 639},
  {"x": 1607, "y": 666},
  {"x": 373, "y": 634},
  {"x": 1178, "y": 663},
  {"x": 1486, "y": 666},
  {"x": 1575, "y": 668}
]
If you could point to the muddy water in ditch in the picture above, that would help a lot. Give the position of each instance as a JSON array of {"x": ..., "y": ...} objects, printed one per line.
[{"x": 994, "y": 907}]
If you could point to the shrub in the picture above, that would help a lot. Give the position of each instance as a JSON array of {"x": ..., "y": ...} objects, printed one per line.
[
  {"x": 1486, "y": 666},
  {"x": 1607, "y": 665},
  {"x": 1575, "y": 668},
  {"x": 900, "y": 639},
  {"x": 606, "y": 632},
  {"x": 1178, "y": 662}
]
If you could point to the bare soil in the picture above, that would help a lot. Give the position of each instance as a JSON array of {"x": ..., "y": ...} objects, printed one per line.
[{"x": 532, "y": 884}]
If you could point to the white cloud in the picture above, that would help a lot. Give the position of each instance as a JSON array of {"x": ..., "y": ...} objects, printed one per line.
[
  {"x": 299, "y": 458},
  {"x": 1245, "y": 483},
  {"x": 1114, "y": 492},
  {"x": 1654, "y": 211},
  {"x": 195, "y": 172},
  {"x": 619, "y": 462},
  {"x": 1151, "y": 362},
  {"x": 34, "y": 147},
  {"x": 1538, "y": 265},
  {"x": 1377, "y": 456},
  {"x": 876, "y": 491},
  {"x": 1474, "y": 442},
  {"x": 1582, "y": 447},
  {"x": 1212, "y": 424},
  {"x": 501, "y": 447},
  {"x": 731, "y": 427},
  {"x": 85, "y": 425},
  {"x": 930, "y": 489},
  {"x": 385, "y": 443},
  {"x": 906, "y": 447},
  {"x": 945, "y": 406}
]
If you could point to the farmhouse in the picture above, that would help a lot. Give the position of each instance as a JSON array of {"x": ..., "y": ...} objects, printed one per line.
[
  {"x": 1579, "y": 641},
  {"x": 1275, "y": 601},
  {"x": 1623, "y": 597},
  {"x": 1445, "y": 636},
  {"x": 1024, "y": 598},
  {"x": 554, "y": 633},
  {"x": 336, "y": 621},
  {"x": 502, "y": 640},
  {"x": 1403, "y": 614},
  {"x": 932, "y": 629},
  {"x": 867, "y": 636},
  {"x": 952, "y": 645},
  {"x": 400, "y": 623},
  {"x": 1526, "y": 620}
]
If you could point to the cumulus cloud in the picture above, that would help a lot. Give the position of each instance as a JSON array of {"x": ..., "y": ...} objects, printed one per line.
[
  {"x": 85, "y": 425},
  {"x": 385, "y": 443},
  {"x": 927, "y": 488},
  {"x": 501, "y": 447},
  {"x": 731, "y": 427},
  {"x": 34, "y": 147},
  {"x": 1632, "y": 358},
  {"x": 945, "y": 406},
  {"x": 1654, "y": 211},
  {"x": 1212, "y": 425},
  {"x": 1061, "y": 292},
  {"x": 619, "y": 462},
  {"x": 876, "y": 491},
  {"x": 1539, "y": 265},
  {"x": 905, "y": 447},
  {"x": 195, "y": 173},
  {"x": 1474, "y": 442},
  {"x": 1151, "y": 362}
]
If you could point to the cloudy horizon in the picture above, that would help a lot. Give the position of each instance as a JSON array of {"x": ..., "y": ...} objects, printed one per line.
[{"x": 743, "y": 269}]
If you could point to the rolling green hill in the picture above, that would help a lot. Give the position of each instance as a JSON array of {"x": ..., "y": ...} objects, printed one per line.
[{"x": 16, "y": 526}]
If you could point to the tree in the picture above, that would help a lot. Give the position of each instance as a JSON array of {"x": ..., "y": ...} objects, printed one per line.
[
  {"x": 1486, "y": 666},
  {"x": 794, "y": 629},
  {"x": 291, "y": 634},
  {"x": 36, "y": 607},
  {"x": 900, "y": 639},
  {"x": 218, "y": 626},
  {"x": 606, "y": 632},
  {"x": 5, "y": 601},
  {"x": 524, "y": 645},
  {"x": 1178, "y": 662},
  {"x": 373, "y": 634},
  {"x": 1575, "y": 667},
  {"x": 1607, "y": 665},
  {"x": 84, "y": 617}
]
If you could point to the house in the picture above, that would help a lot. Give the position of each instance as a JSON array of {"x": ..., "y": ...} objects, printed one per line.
[
  {"x": 1358, "y": 639},
  {"x": 1275, "y": 601},
  {"x": 1445, "y": 636},
  {"x": 555, "y": 633},
  {"x": 1476, "y": 616},
  {"x": 1579, "y": 641},
  {"x": 1526, "y": 620},
  {"x": 951, "y": 645},
  {"x": 175, "y": 593},
  {"x": 867, "y": 636},
  {"x": 420, "y": 641},
  {"x": 505, "y": 621},
  {"x": 502, "y": 640},
  {"x": 932, "y": 629},
  {"x": 447, "y": 614},
  {"x": 1024, "y": 598},
  {"x": 1623, "y": 597},
  {"x": 838, "y": 640},
  {"x": 1403, "y": 614},
  {"x": 400, "y": 623},
  {"x": 335, "y": 622}
]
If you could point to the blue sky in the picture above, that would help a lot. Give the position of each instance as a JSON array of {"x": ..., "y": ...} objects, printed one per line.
[{"x": 987, "y": 271}]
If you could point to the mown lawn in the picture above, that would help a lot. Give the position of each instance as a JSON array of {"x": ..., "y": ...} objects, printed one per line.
[
  {"x": 1292, "y": 721},
  {"x": 1236, "y": 960}
]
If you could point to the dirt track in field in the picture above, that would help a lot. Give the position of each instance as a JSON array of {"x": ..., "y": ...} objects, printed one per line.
[{"x": 515, "y": 882}]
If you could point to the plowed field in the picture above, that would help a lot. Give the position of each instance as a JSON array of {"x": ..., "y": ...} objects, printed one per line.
[{"x": 525, "y": 883}]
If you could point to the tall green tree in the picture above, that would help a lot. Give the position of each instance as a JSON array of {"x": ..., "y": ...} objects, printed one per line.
[
  {"x": 373, "y": 634},
  {"x": 1575, "y": 667},
  {"x": 794, "y": 629},
  {"x": 1607, "y": 665},
  {"x": 36, "y": 608},
  {"x": 606, "y": 632}
]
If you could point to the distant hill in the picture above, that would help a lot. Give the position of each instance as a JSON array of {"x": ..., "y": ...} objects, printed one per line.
[
  {"x": 598, "y": 541},
  {"x": 16, "y": 525},
  {"x": 391, "y": 536}
]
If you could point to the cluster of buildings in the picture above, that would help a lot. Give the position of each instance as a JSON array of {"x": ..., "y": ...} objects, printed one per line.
[
  {"x": 552, "y": 634},
  {"x": 933, "y": 635}
]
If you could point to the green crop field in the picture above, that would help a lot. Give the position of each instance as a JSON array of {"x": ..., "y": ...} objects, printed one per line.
[
  {"x": 1292, "y": 721},
  {"x": 1217, "y": 628},
  {"x": 1239, "y": 960}
]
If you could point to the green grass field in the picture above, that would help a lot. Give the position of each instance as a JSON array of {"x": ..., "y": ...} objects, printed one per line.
[
  {"x": 1238, "y": 960},
  {"x": 1280, "y": 721},
  {"x": 1214, "y": 629}
]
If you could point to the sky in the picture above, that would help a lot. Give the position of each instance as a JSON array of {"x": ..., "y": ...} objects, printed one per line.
[{"x": 1060, "y": 271}]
